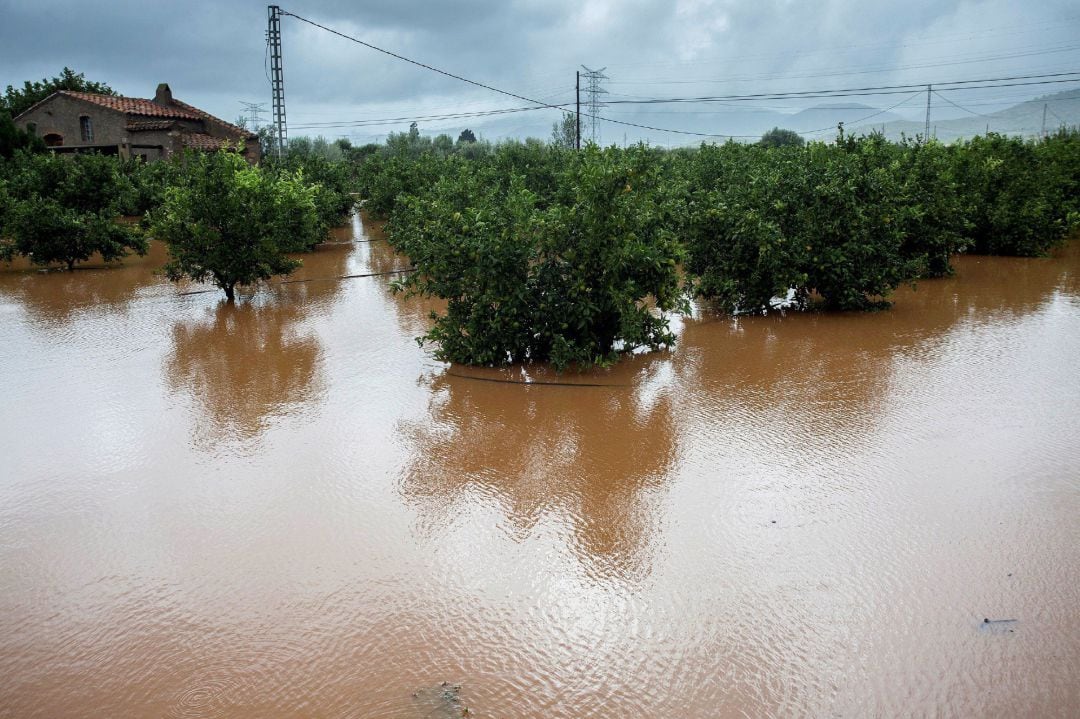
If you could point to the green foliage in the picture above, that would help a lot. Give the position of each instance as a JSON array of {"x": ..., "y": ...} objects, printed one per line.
[
  {"x": 564, "y": 132},
  {"x": 18, "y": 101},
  {"x": 778, "y": 137},
  {"x": 233, "y": 224},
  {"x": 63, "y": 209},
  {"x": 1059, "y": 161},
  {"x": 321, "y": 163},
  {"x": 933, "y": 214},
  {"x": 12, "y": 139},
  {"x": 567, "y": 281},
  {"x": 150, "y": 180},
  {"x": 820, "y": 220},
  {"x": 1014, "y": 207},
  {"x": 466, "y": 136}
]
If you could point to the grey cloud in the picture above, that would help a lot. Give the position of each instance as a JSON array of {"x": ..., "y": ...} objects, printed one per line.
[{"x": 213, "y": 53}]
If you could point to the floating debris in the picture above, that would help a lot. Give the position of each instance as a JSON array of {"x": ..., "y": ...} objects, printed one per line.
[{"x": 441, "y": 702}]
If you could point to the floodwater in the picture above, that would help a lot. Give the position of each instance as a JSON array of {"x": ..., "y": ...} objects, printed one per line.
[{"x": 286, "y": 508}]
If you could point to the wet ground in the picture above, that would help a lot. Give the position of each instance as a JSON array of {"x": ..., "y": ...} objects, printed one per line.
[{"x": 287, "y": 508}]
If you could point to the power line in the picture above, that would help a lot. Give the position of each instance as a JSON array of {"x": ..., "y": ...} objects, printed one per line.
[
  {"x": 485, "y": 86},
  {"x": 864, "y": 119},
  {"x": 860, "y": 91},
  {"x": 410, "y": 118},
  {"x": 411, "y": 61},
  {"x": 961, "y": 107},
  {"x": 985, "y": 83}
]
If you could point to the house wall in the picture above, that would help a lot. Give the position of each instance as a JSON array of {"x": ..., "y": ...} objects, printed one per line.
[{"x": 61, "y": 114}]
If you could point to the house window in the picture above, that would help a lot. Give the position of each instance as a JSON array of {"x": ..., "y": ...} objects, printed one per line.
[
  {"x": 54, "y": 139},
  {"x": 87, "y": 128}
]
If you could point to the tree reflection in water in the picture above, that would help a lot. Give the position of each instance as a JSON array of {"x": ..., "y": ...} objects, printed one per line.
[
  {"x": 242, "y": 366},
  {"x": 592, "y": 460}
]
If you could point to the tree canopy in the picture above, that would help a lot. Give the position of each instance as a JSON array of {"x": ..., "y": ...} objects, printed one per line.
[
  {"x": 18, "y": 100},
  {"x": 233, "y": 224},
  {"x": 64, "y": 209},
  {"x": 13, "y": 139},
  {"x": 778, "y": 137},
  {"x": 564, "y": 132}
]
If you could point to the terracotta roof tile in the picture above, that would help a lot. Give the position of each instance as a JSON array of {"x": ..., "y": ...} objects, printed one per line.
[
  {"x": 144, "y": 125},
  {"x": 202, "y": 141},
  {"x": 136, "y": 105}
]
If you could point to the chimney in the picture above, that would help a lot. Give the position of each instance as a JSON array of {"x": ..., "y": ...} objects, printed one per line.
[{"x": 163, "y": 95}]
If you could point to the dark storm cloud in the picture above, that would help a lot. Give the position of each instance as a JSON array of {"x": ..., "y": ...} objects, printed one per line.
[{"x": 213, "y": 53}]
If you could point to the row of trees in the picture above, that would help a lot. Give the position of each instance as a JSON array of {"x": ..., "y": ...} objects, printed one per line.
[{"x": 545, "y": 254}]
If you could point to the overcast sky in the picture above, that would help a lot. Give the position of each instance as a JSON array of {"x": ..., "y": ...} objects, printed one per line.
[{"x": 213, "y": 55}]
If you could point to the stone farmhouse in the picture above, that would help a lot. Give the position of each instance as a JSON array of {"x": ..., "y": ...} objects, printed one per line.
[{"x": 132, "y": 127}]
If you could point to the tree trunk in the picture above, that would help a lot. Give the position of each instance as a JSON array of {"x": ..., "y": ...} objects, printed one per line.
[{"x": 230, "y": 292}]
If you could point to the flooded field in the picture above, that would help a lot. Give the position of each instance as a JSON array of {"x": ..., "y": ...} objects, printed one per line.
[{"x": 286, "y": 508}]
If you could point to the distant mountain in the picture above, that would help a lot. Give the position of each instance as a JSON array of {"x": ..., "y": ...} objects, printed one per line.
[
  {"x": 1025, "y": 118},
  {"x": 821, "y": 117}
]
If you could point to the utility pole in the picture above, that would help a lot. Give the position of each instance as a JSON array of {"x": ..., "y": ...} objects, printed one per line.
[
  {"x": 254, "y": 112},
  {"x": 277, "y": 76},
  {"x": 926, "y": 131},
  {"x": 577, "y": 113},
  {"x": 1044, "y": 120},
  {"x": 595, "y": 91}
]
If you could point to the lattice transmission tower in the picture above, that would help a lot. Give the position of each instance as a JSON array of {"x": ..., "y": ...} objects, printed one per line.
[
  {"x": 593, "y": 104},
  {"x": 254, "y": 111},
  {"x": 277, "y": 75}
]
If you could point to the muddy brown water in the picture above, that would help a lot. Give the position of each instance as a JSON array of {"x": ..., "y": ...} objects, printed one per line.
[{"x": 286, "y": 508}]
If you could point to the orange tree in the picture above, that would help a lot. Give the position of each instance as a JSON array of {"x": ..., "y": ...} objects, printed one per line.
[
  {"x": 64, "y": 210},
  {"x": 575, "y": 280},
  {"x": 232, "y": 224}
]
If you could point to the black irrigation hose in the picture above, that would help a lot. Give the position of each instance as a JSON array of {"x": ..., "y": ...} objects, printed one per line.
[
  {"x": 345, "y": 277},
  {"x": 312, "y": 279},
  {"x": 550, "y": 384}
]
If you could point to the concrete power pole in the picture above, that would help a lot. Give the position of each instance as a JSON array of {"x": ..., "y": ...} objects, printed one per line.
[
  {"x": 1044, "y": 120},
  {"x": 577, "y": 113},
  {"x": 277, "y": 76},
  {"x": 926, "y": 131},
  {"x": 595, "y": 91}
]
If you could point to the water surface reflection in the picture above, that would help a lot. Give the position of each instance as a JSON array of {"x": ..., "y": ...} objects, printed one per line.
[
  {"x": 244, "y": 364},
  {"x": 594, "y": 459}
]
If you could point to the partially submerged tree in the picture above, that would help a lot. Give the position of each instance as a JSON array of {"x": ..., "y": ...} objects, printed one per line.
[
  {"x": 233, "y": 224},
  {"x": 64, "y": 209},
  {"x": 577, "y": 278}
]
